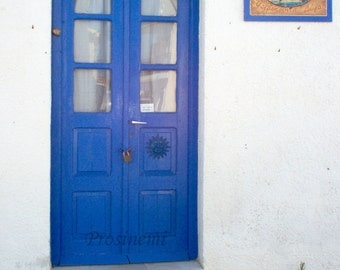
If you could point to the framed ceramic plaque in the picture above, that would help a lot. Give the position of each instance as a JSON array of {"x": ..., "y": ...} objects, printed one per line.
[{"x": 288, "y": 10}]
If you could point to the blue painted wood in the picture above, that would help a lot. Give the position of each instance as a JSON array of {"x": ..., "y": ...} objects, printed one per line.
[
  {"x": 193, "y": 129},
  {"x": 105, "y": 211},
  {"x": 175, "y": 245},
  {"x": 56, "y": 137}
]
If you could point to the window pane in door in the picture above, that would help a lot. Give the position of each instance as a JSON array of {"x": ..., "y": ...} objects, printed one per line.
[
  {"x": 159, "y": 7},
  {"x": 158, "y": 43},
  {"x": 92, "y": 90},
  {"x": 92, "y": 6},
  {"x": 158, "y": 91},
  {"x": 92, "y": 41}
]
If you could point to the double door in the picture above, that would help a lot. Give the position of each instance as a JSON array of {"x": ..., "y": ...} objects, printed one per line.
[{"x": 124, "y": 132}]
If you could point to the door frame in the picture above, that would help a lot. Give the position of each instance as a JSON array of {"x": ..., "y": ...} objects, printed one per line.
[{"x": 56, "y": 126}]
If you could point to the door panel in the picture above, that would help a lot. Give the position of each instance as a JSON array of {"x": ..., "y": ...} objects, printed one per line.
[
  {"x": 158, "y": 155},
  {"x": 123, "y": 87},
  {"x": 92, "y": 151}
]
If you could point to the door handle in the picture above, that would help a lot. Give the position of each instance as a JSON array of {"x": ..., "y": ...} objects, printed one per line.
[{"x": 133, "y": 122}]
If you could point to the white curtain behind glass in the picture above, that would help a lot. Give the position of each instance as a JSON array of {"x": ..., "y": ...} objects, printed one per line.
[
  {"x": 170, "y": 92},
  {"x": 159, "y": 46},
  {"x": 92, "y": 90},
  {"x": 92, "y": 6},
  {"x": 159, "y": 7},
  {"x": 159, "y": 43}
]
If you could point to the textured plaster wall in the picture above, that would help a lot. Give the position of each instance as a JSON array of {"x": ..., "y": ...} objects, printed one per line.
[
  {"x": 24, "y": 134},
  {"x": 269, "y": 142}
]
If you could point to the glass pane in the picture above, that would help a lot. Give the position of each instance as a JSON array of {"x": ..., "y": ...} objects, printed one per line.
[
  {"x": 159, "y": 43},
  {"x": 158, "y": 91},
  {"x": 92, "y": 41},
  {"x": 159, "y": 7},
  {"x": 92, "y": 90},
  {"x": 92, "y": 6}
]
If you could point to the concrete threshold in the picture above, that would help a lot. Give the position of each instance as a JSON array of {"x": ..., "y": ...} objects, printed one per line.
[{"x": 188, "y": 265}]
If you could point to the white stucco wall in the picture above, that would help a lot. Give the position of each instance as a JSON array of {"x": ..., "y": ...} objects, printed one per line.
[
  {"x": 24, "y": 134},
  {"x": 270, "y": 142},
  {"x": 269, "y": 139}
]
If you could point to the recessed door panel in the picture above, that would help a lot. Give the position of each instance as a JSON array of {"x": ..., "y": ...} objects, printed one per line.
[
  {"x": 91, "y": 214},
  {"x": 159, "y": 151},
  {"x": 158, "y": 213},
  {"x": 92, "y": 151}
]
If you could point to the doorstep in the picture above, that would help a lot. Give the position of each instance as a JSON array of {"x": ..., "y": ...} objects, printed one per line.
[{"x": 188, "y": 265}]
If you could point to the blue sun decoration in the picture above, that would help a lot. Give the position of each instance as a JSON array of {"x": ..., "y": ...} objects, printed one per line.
[{"x": 157, "y": 147}]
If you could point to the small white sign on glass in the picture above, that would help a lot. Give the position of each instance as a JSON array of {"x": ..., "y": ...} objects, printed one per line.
[{"x": 147, "y": 107}]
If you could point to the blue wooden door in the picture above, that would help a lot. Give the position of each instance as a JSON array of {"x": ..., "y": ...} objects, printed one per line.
[{"x": 124, "y": 156}]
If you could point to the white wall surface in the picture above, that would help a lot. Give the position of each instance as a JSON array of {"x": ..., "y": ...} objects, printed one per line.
[
  {"x": 24, "y": 134},
  {"x": 269, "y": 141}
]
